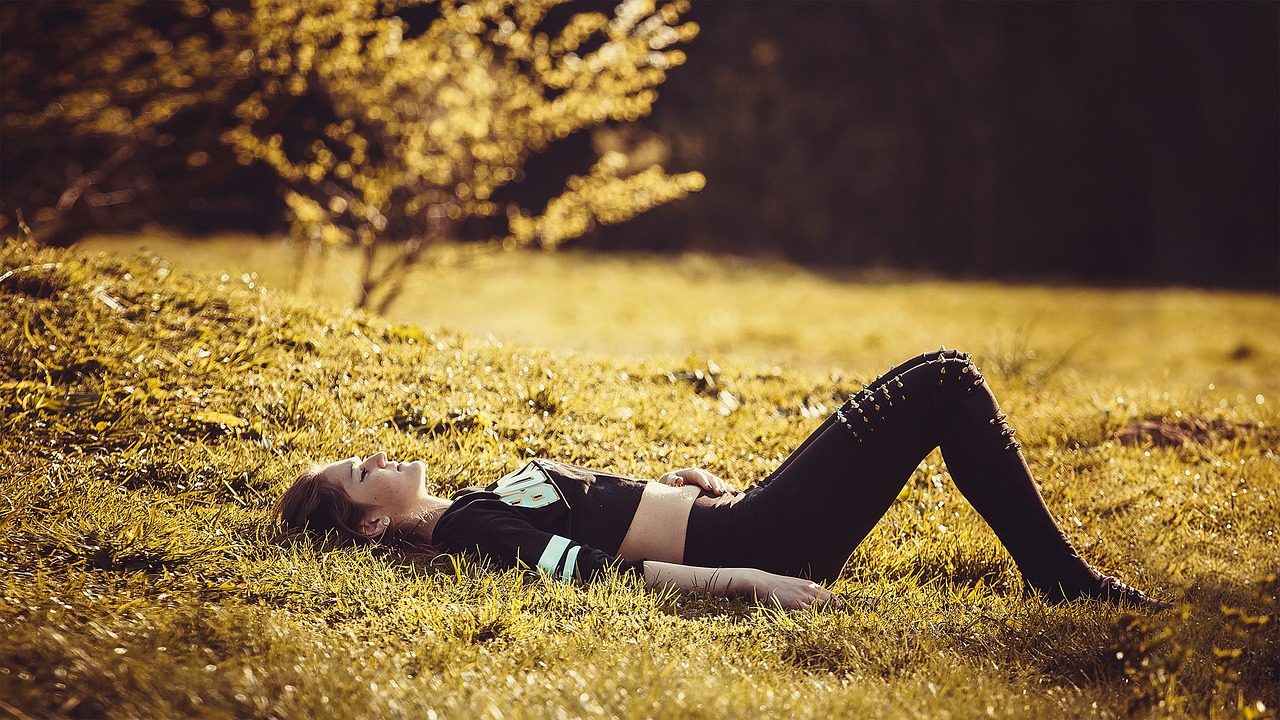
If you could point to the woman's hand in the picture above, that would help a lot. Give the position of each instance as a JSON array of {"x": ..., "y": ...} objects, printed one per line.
[
  {"x": 699, "y": 477},
  {"x": 792, "y": 593}
]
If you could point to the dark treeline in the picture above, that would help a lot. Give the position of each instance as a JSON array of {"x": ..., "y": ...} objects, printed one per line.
[
  {"x": 1100, "y": 142},
  {"x": 1097, "y": 141}
]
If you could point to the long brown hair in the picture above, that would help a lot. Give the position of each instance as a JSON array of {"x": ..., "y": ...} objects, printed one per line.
[{"x": 320, "y": 507}]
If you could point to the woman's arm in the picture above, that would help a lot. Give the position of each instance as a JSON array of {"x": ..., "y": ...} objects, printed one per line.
[{"x": 789, "y": 592}]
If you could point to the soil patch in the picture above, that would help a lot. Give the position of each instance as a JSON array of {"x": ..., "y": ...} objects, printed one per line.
[{"x": 1163, "y": 433}]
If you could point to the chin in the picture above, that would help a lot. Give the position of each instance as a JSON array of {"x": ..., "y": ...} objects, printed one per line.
[{"x": 420, "y": 468}]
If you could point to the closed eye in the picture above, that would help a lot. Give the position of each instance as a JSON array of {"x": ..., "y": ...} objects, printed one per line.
[{"x": 363, "y": 472}]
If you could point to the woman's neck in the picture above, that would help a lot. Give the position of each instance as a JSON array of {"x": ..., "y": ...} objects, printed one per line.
[{"x": 429, "y": 513}]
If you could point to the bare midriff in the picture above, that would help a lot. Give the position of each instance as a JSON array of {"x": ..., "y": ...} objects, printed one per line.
[
  {"x": 657, "y": 531},
  {"x": 658, "y": 528}
]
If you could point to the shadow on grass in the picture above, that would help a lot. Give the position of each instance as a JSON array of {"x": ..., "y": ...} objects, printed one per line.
[{"x": 1218, "y": 651}]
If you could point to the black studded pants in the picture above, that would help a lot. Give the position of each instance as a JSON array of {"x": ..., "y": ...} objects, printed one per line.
[{"x": 806, "y": 518}]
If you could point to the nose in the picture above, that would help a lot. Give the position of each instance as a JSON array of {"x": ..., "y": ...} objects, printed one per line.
[{"x": 373, "y": 462}]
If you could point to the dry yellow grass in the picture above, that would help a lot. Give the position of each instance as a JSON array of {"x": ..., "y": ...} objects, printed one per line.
[
  {"x": 778, "y": 314},
  {"x": 151, "y": 416}
]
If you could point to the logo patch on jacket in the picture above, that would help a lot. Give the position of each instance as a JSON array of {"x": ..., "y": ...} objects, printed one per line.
[{"x": 528, "y": 487}]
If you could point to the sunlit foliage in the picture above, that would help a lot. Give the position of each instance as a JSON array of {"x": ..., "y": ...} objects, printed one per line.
[
  {"x": 111, "y": 110},
  {"x": 427, "y": 128},
  {"x": 392, "y": 120}
]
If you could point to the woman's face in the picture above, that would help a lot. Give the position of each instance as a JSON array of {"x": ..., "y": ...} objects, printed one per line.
[{"x": 386, "y": 488}]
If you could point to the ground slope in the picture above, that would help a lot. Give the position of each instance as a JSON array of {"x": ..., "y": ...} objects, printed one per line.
[{"x": 150, "y": 417}]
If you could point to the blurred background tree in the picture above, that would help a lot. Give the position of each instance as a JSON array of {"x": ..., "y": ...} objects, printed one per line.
[
  {"x": 112, "y": 111},
  {"x": 393, "y": 120}
]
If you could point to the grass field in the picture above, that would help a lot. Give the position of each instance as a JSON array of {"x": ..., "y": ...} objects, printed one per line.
[
  {"x": 782, "y": 315},
  {"x": 151, "y": 416}
]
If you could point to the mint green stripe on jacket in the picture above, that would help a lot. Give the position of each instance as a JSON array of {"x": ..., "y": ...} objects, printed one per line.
[
  {"x": 570, "y": 563},
  {"x": 555, "y": 552}
]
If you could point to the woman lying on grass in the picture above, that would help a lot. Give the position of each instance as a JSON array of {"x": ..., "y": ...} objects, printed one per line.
[{"x": 776, "y": 540}]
